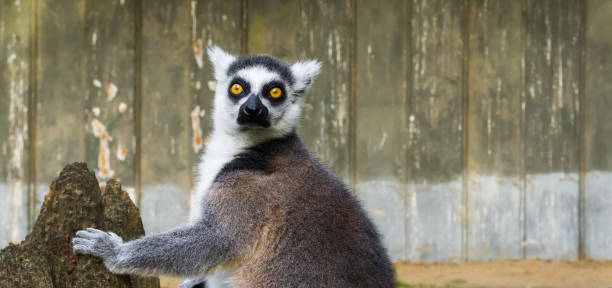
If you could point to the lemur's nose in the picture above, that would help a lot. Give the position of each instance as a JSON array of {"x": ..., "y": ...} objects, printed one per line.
[
  {"x": 250, "y": 108},
  {"x": 253, "y": 107}
]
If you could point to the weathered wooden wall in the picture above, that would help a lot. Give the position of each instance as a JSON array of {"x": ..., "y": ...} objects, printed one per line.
[{"x": 471, "y": 130}]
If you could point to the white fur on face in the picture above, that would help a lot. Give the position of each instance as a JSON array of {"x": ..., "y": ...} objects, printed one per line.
[
  {"x": 257, "y": 76},
  {"x": 281, "y": 121},
  {"x": 283, "y": 117}
]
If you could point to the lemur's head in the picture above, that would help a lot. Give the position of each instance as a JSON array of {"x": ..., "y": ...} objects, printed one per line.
[{"x": 259, "y": 94}]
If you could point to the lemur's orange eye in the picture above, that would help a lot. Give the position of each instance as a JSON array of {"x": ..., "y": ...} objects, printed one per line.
[
  {"x": 276, "y": 93},
  {"x": 236, "y": 89}
]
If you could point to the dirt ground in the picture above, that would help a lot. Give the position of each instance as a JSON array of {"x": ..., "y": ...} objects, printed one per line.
[{"x": 529, "y": 273}]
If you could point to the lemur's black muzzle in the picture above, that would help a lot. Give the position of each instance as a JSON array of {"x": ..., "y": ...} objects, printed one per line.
[{"x": 253, "y": 112}]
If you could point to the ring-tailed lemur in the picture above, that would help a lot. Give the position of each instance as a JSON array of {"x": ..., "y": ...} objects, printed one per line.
[{"x": 269, "y": 213}]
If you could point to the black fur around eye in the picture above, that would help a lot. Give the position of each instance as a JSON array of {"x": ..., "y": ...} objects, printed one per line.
[
  {"x": 238, "y": 88},
  {"x": 275, "y": 92}
]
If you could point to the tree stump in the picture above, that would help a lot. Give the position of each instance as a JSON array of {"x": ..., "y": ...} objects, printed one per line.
[{"x": 74, "y": 202}]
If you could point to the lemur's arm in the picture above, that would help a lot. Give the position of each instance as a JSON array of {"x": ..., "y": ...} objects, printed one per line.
[
  {"x": 230, "y": 222},
  {"x": 185, "y": 251}
]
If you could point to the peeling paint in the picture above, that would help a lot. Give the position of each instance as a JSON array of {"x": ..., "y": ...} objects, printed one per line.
[
  {"x": 97, "y": 83},
  {"x": 197, "y": 131},
  {"x": 121, "y": 152},
  {"x": 104, "y": 170},
  {"x": 212, "y": 85},
  {"x": 194, "y": 19},
  {"x": 111, "y": 91},
  {"x": 198, "y": 52},
  {"x": 11, "y": 58},
  {"x": 122, "y": 107},
  {"x": 96, "y": 111},
  {"x": 97, "y": 127}
]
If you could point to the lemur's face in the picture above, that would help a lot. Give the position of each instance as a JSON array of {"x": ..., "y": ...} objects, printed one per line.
[{"x": 257, "y": 93}]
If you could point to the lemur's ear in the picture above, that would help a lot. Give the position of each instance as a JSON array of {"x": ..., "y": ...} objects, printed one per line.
[
  {"x": 305, "y": 72},
  {"x": 221, "y": 60}
]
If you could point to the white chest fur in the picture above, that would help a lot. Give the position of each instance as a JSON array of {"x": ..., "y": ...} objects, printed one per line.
[{"x": 220, "y": 150}]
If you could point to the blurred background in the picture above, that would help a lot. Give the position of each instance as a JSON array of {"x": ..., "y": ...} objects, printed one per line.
[{"x": 470, "y": 130}]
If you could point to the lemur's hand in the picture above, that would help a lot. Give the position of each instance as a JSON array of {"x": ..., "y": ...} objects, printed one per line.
[{"x": 97, "y": 243}]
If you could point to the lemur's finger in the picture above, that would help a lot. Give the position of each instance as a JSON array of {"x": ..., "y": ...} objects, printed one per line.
[
  {"x": 95, "y": 231},
  {"x": 81, "y": 241},
  {"x": 84, "y": 234},
  {"x": 81, "y": 249}
]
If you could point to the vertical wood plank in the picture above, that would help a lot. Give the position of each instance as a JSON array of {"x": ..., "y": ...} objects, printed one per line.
[
  {"x": 212, "y": 22},
  {"x": 293, "y": 30},
  {"x": 61, "y": 89},
  {"x": 552, "y": 57},
  {"x": 109, "y": 66},
  {"x": 166, "y": 59},
  {"x": 494, "y": 182},
  {"x": 14, "y": 89},
  {"x": 598, "y": 130},
  {"x": 382, "y": 91},
  {"x": 434, "y": 209}
]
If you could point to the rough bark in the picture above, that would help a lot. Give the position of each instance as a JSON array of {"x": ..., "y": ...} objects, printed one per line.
[{"x": 74, "y": 202}]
